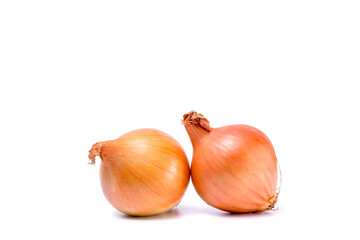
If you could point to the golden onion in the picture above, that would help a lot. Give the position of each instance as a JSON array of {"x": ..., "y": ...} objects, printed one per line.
[{"x": 143, "y": 172}]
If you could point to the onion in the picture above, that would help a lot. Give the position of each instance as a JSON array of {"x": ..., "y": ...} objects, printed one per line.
[
  {"x": 143, "y": 172},
  {"x": 234, "y": 168}
]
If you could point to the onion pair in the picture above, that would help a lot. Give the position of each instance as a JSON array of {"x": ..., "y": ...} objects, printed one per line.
[{"x": 146, "y": 172}]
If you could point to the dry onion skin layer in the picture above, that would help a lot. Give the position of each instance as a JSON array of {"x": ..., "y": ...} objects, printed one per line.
[
  {"x": 234, "y": 168},
  {"x": 143, "y": 172}
]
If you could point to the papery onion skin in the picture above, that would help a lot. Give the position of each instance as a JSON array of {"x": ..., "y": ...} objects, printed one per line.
[
  {"x": 143, "y": 172},
  {"x": 234, "y": 168}
]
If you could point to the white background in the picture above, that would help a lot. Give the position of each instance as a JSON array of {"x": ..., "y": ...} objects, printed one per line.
[{"x": 77, "y": 72}]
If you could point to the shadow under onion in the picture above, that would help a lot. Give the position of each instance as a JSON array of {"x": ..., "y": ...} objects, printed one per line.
[
  {"x": 247, "y": 215},
  {"x": 173, "y": 213},
  {"x": 188, "y": 210}
]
